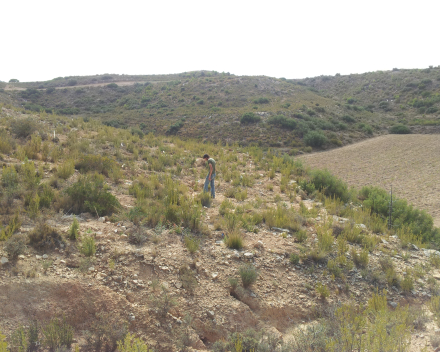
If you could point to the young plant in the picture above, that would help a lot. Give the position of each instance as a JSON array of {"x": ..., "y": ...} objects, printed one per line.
[{"x": 73, "y": 231}]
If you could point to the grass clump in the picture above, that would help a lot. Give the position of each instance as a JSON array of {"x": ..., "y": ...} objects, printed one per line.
[
  {"x": 192, "y": 243},
  {"x": 234, "y": 240},
  {"x": 73, "y": 230},
  {"x": 132, "y": 344},
  {"x": 322, "y": 290},
  {"x": 360, "y": 259},
  {"x": 88, "y": 246},
  {"x": 248, "y": 274},
  {"x": 205, "y": 199},
  {"x": 66, "y": 170},
  {"x": 58, "y": 333},
  {"x": 294, "y": 258},
  {"x": 15, "y": 246}
]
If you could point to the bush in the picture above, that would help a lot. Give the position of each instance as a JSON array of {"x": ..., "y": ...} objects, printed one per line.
[
  {"x": 72, "y": 82},
  {"x": 294, "y": 258},
  {"x": 234, "y": 240},
  {"x": 188, "y": 279},
  {"x": 283, "y": 121},
  {"x": 407, "y": 284},
  {"x": 90, "y": 194},
  {"x": 132, "y": 344},
  {"x": 66, "y": 170},
  {"x": 73, "y": 231},
  {"x": 315, "y": 139},
  {"x": 249, "y": 117},
  {"x": 88, "y": 246},
  {"x": 400, "y": 129},
  {"x": 57, "y": 334},
  {"x": 105, "y": 332},
  {"x": 360, "y": 260},
  {"x": 45, "y": 237},
  {"x": 98, "y": 163},
  {"x": 23, "y": 128},
  {"x": 330, "y": 185},
  {"x": 322, "y": 290},
  {"x": 248, "y": 274},
  {"x": 15, "y": 246},
  {"x": 205, "y": 199},
  {"x": 163, "y": 303},
  {"x": 192, "y": 243},
  {"x": 261, "y": 101},
  {"x": 112, "y": 86}
]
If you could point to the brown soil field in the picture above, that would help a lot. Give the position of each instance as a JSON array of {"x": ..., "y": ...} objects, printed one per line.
[{"x": 410, "y": 163}]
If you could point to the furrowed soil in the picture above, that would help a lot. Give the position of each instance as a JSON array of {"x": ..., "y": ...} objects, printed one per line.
[{"x": 410, "y": 163}]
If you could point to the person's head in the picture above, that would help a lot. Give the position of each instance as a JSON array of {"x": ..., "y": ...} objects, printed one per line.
[{"x": 206, "y": 156}]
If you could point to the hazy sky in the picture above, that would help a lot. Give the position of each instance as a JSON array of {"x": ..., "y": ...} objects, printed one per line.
[{"x": 43, "y": 39}]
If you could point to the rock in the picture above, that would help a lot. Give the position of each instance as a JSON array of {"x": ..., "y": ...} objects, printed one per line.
[
  {"x": 413, "y": 247},
  {"x": 384, "y": 241},
  {"x": 361, "y": 226},
  {"x": 280, "y": 230},
  {"x": 38, "y": 256},
  {"x": 101, "y": 219},
  {"x": 393, "y": 304},
  {"x": 92, "y": 268},
  {"x": 131, "y": 317},
  {"x": 21, "y": 256},
  {"x": 4, "y": 260},
  {"x": 178, "y": 284},
  {"x": 210, "y": 313},
  {"x": 259, "y": 245},
  {"x": 45, "y": 256},
  {"x": 214, "y": 276},
  {"x": 248, "y": 255}
]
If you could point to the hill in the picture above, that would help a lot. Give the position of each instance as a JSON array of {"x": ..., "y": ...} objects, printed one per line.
[
  {"x": 297, "y": 115},
  {"x": 106, "y": 234}
]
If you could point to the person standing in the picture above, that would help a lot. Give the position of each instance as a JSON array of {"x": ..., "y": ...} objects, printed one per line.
[{"x": 211, "y": 175}]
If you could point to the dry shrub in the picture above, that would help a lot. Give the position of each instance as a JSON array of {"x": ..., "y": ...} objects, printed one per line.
[{"x": 45, "y": 237}]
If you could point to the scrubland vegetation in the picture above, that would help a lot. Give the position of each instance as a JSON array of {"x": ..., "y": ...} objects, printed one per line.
[{"x": 84, "y": 165}]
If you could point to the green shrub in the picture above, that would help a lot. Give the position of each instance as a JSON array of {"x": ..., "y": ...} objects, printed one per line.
[
  {"x": 249, "y": 117},
  {"x": 407, "y": 284},
  {"x": 19, "y": 340},
  {"x": 45, "y": 237},
  {"x": 261, "y": 101},
  {"x": 88, "y": 246},
  {"x": 15, "y": 245},
  {"x": 283, "y": 121},
  {"x": 400, "y": 129},
  {"x": 98, "y": 163},
  {"x": 132, "y": 344},
  {"x": 322, "y": 290},
  {"x": 57, "y": 334},
  {"x": 192, "y": 243},
  {"x": 360, "y": 260},
  {"x": 301, "y": 236},
  {"x": 23, "y": 128},
  {"x": 90, "y": 194},
  {"x": 248, "y": 274},
  {"x": 105, "y": 332},
  {"x": 315, "y": 139},
  {"x": 72, "y": 82},
  {"x": 73, "y": 231},
  {"x": 294, "y": 258},
  {"x": 46, "y": 195},
  {"x": 66, "y": 169},
  {"x": 205, "y": 199},
  {"x": 233, "y": 282},
  {"x": 234, "y": 240},
  {"x": 330, "y": 185}
]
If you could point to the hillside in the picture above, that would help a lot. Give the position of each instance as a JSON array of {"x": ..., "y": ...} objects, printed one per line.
[
  {"x": 297, "y": 115},
  {"x": 409, "y": 163},
  {"x": 105, "y": 232}
]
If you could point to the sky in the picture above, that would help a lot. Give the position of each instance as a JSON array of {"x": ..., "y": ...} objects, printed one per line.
[{"x": 45, "y": 39}]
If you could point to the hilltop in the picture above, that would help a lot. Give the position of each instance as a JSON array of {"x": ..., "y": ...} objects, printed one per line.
[
  {"x": 106, "y": 231},
  {"x": 296, "y": 115}
]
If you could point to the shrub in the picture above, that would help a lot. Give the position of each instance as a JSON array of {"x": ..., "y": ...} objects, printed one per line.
[
  {"x": 360, "y": 260},
  {"x": 13, "y": 80},
  {"x": 105, "y": 332},
  {"x": 249, "y": 117},
  {"x": 73, "y": 231},
  {"x": 248, "y": 274},
  {"x": 192, "y": 243},
  {"x": 57, "y": 334},
  {"x": 301, "y": 236},
  {"x": 234, "y": 240},
  {"x": 407, "y": 284},
  {"x": 315, "y": 139},
  {"x": 188, "y": 279},
  {"x": 72, "y": 82},
  {"x": 294, "y": 258},
  {"x": 88, "y": 246},
  {"x": 330, "y": 185},
  {"x": 137, "y": 237},
  {"x": 13, "y": 225},
  {"x": 132, "y": 344},
  {"x": 261, "y": 101},
  {"x": 233, "y": 282},
  {"x": 163, "y": 303},
  {"x": 90, "y": 193},
  {"x": 19, "y": 340},
  {"x": 15, "y": 246},
  {"x": 322, "y": 290},
  {"x": 44, "y": 237},
  {"x": 98, "y": 163},
  {"x": 400, "y": 129},
  {"x": 23, "y": 128},
  {"x": 283, "y": 121},
  {"x": 205, "y": 199},
  {"x": 66, "y": 169}
]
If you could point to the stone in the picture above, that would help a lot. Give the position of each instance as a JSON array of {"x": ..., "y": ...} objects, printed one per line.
[
  {"x": 92, "y": 268},
  {"x": 384, "y": 241},
  {"x": 38, "y": 256},
  {"x": 214, "y": 276},
  {"x": 4, "y": 260},
  {"x": 21, "y": 256},
  {"x": 361, "y": 226},
  {"x": 414, "y": 247},
  {"x": 280, "y": 230},
  {"x": 210, "y": 313},
  {"x": 393, "y": 304},
  {"x": 101, "y": 219},
  {"x": 248, "y": 255},
  {"x": 45, "y": 256},
  {"x": 178, "y": 284}
]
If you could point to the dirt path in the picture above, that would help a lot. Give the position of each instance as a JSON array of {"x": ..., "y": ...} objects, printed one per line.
[{"x": 121, "y": 83}]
